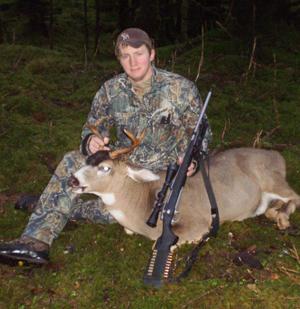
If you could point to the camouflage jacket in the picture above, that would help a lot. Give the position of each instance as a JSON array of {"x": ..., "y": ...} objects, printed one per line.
[{"x": 168, "y": 112}]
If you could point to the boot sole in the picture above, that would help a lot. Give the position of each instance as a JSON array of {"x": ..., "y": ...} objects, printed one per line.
[{"x": 14, "y": 260}]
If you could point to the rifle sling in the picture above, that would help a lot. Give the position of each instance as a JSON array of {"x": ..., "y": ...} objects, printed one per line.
[
  {"x": 211, "y": 196},
  {"x": 192, "y": 257}
]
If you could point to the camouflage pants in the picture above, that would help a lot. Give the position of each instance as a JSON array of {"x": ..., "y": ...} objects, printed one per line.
[{"x": 58, "y": 204}]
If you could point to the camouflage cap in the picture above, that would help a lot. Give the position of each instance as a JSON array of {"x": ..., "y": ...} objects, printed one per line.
[{"x": 134, "y": 37}]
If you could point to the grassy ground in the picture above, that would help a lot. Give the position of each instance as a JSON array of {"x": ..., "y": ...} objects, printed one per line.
[{"x": 45, "y": 97}]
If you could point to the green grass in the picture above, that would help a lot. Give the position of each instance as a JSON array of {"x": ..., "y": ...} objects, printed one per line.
[{"x": 45, "y": 97}]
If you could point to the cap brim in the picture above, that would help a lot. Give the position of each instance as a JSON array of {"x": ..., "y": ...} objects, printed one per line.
[{"x": 133, "y": 43}]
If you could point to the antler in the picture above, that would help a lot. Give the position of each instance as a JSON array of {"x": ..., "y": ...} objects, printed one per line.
[
  {"x": 136, "y": 141},
  {"x": 93, "y": 127},
  {"x": 94, "y": 130}
]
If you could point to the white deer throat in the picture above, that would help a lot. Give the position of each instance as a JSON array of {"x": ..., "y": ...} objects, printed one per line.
[
  {"x": 117, "y": 214},
  {"x": 107, "y": 198}
]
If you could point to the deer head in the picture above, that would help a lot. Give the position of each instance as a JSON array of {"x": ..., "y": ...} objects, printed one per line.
[{"x": 103, "y": 171}]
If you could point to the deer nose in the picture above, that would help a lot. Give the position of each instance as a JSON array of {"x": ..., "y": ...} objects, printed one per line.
[{"x": 73, "y": 181}]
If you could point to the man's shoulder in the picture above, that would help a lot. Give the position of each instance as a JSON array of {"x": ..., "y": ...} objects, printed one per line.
[
  {"x": 172, "y": 78},
  {"x": 118, "y": 79}
]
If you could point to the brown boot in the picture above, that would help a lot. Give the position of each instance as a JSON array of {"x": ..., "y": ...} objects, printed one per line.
[
  {"x": 24, "y": 250},
  {"x": 27, "y": 203}
]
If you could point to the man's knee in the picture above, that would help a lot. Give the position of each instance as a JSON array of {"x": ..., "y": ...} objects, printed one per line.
[
  {"x": 70, "y": 163},
  {"x": 74, "y": 156}
]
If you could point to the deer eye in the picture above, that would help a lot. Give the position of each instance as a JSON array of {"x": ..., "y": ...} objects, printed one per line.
[{"x": 104, "y": 169}]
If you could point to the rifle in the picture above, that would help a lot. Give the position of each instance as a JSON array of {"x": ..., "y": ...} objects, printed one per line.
[{"x": 160, "y": 263}]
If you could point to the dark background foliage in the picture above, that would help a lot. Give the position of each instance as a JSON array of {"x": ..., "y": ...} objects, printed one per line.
[{"x": 168, "y": 21}]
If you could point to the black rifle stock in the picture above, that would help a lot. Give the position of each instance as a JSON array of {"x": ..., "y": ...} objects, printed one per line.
[{"x": 160, "y": 263}]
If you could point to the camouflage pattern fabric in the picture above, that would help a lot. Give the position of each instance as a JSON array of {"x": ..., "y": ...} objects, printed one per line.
[
  {"x": 168, "y": 112},
  {"x": 58, "y": 204}
]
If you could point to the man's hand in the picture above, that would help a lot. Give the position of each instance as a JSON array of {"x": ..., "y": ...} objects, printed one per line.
[
  {"x": 191, "y": 169},
  {"x": 96, "y": 143}
]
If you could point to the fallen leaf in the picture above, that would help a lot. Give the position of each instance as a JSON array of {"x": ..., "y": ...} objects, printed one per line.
[
  {"x": 76, "y": 285},
  {"x": 274, "y": 276},
  {"x": 253, "y": 287}
]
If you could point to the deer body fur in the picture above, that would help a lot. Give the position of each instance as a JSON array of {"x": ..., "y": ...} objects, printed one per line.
[{"x": 247, "y": 182}]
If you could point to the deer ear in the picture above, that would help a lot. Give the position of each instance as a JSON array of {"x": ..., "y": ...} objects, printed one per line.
[{"x": 142, "y": 175}]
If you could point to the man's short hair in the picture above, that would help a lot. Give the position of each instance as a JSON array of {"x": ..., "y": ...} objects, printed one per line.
[{"x": 134, "y": 37}]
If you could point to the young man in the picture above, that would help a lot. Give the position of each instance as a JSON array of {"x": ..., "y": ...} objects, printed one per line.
[{"x": 165, "y": 104}]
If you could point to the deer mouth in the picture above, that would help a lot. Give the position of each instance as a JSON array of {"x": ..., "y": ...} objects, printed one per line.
[
  {"x": 79, "y": 189},
  {"x": 74, "y": 183}
]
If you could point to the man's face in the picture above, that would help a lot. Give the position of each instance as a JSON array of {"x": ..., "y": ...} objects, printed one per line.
[{"x": 136, "y": 62}]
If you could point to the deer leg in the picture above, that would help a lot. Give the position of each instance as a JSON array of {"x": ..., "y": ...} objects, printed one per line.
[
  {"x": 284, "y": 204},
  {"x": 280, "y": 211}
]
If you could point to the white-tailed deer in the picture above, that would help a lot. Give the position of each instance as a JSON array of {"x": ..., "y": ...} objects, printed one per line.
[{"x": 247, "y": 182}]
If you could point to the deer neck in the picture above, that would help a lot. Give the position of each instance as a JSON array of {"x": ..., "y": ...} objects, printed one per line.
[{"x": 133, "y": 205}]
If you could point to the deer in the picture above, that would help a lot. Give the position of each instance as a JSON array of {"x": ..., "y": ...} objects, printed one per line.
[{"x": 247, "y": 182}]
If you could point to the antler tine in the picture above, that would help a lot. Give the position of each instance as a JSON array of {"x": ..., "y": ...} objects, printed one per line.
[
  {"x": 93, "y": 127},
  {"x": 141, "y": 136},
  {"x": 136, "y": 141},
  {"x": 94, "y": 130}
]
